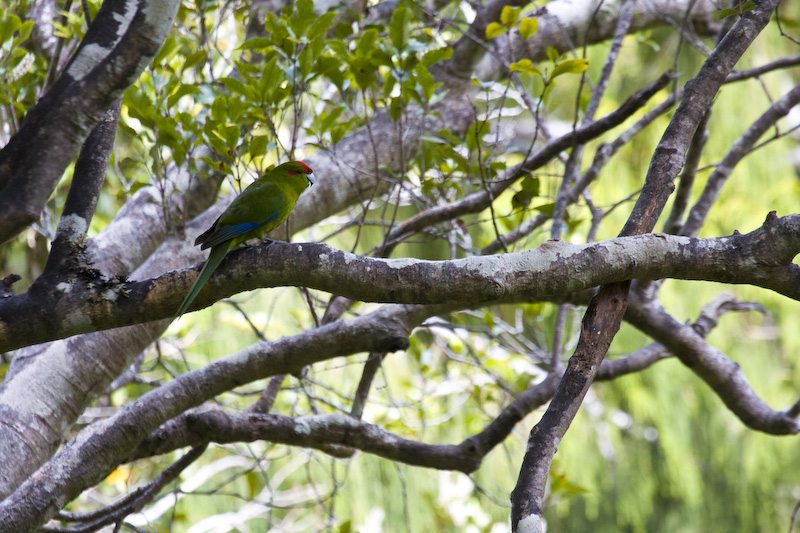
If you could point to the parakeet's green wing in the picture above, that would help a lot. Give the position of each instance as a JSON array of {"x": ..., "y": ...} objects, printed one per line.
[{"x": 252, "y": 214}]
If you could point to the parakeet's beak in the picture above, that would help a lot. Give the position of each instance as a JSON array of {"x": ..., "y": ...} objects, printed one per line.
[{"x": 311, "y": 178}]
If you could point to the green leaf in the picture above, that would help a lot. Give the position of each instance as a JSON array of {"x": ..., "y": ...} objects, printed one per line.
[
  {"x": 182, "y": 91},
  {"x": 258, "y": 145},
  {"x": 509, "y": 16},
  {"x": 327, "y": 122},
  {"x": 232, "y": 134},
  {"x": 276, "y": 28},
  {"x": 531, "y": 184},
  {"x": 366, "y": 44},
  {"x": 337, "y": 134},
  {"x": 395, "y": 108},
  {"x": 59, "y": 30},
  {"x": 256, "y": 43},
  {"x": 330, "y": 67},
  {"x": 546, "y": 209},
  {"x": 11, "y": 24},
  {"x": 528, "y": 27},
  {"x": 25, "y": 30},
  {"x": 270, "y": 79},
  {"x": 570, "y": 66},
  {"x": 526, "y": 66},
  {"x": 552, "y": 54},
  {"x": 168, "y": 50},
  {"x": 432, "y": 57},
  {"x": 521, "y": 200},
  {"x": 399, "y": 28},
  {"x": 475, "y": 134},
  {"x": 493, "y": 30},
  {"x": 363, "y": 71},
  {"x": 302, "y": 17},
  {"x": 196, "y": 58},
  {"x": 234, "y": 86},
  {"x": 725, "y": 13},
  {"x": 321, "y": 25},
  {"x": 426, "y": 81}
]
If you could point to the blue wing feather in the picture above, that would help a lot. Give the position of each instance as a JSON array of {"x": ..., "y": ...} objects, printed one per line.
[{"x": 228, "y": 233}]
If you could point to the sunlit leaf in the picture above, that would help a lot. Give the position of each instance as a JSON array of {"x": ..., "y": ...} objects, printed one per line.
[
  {"x": 570, "y": 66},
  {"x": 526, "y": 66},
  {"x": 509, "y": 16},
  {"x": 494, "y": 30},
  {"x": 528, "y": 27}
]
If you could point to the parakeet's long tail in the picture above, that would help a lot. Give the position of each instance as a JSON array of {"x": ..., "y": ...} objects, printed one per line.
[{"x": 214, "y": 259}]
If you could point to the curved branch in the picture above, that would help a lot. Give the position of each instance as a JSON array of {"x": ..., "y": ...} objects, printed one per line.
[
  {"x": 723, "y": 375},
  {"x": 215, "y": 424}
]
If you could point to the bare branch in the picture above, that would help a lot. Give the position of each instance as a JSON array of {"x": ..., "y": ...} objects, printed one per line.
[
  {"x": 479, "y": 201},
  {"x": 316, "y": 431}
]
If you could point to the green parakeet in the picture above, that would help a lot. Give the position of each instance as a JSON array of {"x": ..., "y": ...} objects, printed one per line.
[{"x": 262, "y": 206}]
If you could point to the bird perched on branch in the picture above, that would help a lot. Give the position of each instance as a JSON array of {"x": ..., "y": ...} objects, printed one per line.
[{"x": 262, "y": 207}]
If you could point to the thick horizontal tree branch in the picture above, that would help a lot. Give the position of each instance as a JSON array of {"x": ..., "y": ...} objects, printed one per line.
[{"x": 761, "y": 258}]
